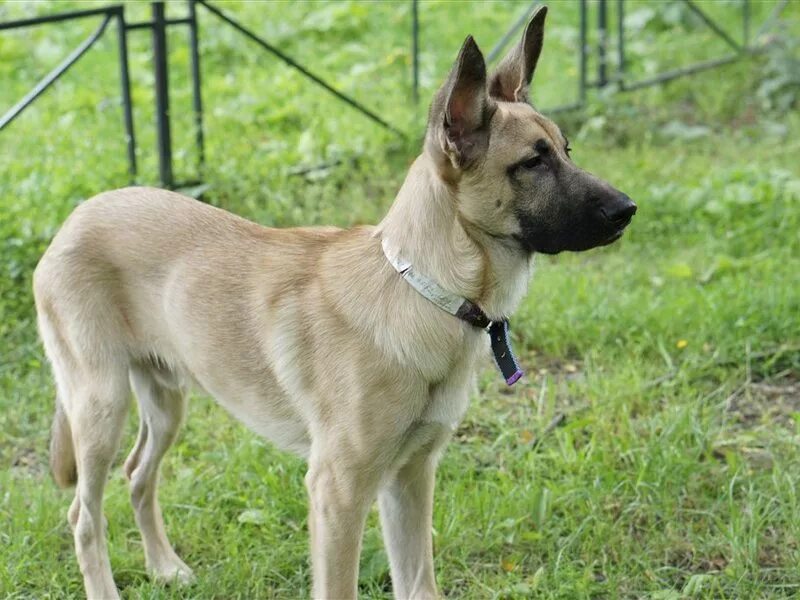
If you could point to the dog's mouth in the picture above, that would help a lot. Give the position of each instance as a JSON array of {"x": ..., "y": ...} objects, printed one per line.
[
  {"x": 620, "y": 226},
  {"x": 623, "y": 224},
  {"x": 613, "y": 237},
  {"x": 619, "y": 219}
]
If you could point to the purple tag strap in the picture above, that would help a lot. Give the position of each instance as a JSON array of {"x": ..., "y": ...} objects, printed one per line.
[
  {"x": 498, "y": 333},
  {"x": 503, "y": 354}
]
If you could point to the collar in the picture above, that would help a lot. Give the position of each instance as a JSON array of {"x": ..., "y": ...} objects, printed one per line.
[{"x": 464, "y": 309}]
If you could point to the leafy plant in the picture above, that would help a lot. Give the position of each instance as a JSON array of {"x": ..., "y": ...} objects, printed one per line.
[{"x": 779, "y": 88}]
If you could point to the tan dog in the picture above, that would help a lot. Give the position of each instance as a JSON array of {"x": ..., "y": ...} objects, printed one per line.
[{"x": 310, "y": 336}]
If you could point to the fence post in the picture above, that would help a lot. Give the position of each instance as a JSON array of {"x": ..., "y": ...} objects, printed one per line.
[
  {"x": 415, "y": 49},
  {"x": 602, "y": 38},
  {"x": 125, "y": 83},
  {"x": 197, "y": 98},
  {"x": 621, "y": 44},
  {"x": 162, "y": 96},
  {"x": 582, "y": 58},
  {"x": 746, "y": 23}
]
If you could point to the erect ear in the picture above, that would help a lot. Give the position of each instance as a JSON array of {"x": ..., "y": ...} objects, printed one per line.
[
  {"x": 512, "y": 77},
  {"x": 460, "y": 113}
]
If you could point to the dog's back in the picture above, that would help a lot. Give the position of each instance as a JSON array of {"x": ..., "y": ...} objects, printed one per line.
[{"x": 146, "y": 276}]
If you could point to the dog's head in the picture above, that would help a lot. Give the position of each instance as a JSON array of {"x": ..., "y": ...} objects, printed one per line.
[{"x": 509, "y": 164}]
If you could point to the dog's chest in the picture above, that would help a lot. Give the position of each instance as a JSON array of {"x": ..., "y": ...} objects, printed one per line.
[{"x": 449, "y": 398}]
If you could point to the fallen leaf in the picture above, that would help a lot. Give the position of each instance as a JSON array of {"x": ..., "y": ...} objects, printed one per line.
[{"x": 253, "y": 516}]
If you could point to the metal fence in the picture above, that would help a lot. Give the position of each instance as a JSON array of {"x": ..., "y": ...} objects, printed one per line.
[
  {"x": 108, "y": 13},
  {"x": 158, "y": 26},
  {"x": 610, "y": 70}
]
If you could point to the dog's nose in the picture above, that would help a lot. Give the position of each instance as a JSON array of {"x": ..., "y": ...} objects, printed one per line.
[{"x": 620, "y": 210}]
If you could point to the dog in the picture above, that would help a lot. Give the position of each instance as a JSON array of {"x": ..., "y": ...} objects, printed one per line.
[{"x": 354, "y": 348}]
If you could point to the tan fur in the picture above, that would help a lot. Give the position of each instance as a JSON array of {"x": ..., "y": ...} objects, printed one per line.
[
  {"x": 307, "y": 335},
  {"x": 62, "y": 454},
  {"x": 179, "y": 293}
]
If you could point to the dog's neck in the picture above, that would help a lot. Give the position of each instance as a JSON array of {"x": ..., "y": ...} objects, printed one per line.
[{"x": 425, "y": 227}]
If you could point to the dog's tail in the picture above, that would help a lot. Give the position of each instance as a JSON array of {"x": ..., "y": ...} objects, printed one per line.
[{"x": 62, "y": 451}]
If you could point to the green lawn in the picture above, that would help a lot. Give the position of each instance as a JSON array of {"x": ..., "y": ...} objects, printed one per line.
[{"x": 673, "y": 356}]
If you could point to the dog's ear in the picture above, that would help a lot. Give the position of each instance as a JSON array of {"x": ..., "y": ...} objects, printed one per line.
[
  {"x": 460, "y": 113},
  {"x": 512, "y": 77}
]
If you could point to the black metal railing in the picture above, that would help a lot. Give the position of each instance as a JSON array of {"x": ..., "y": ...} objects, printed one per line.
[
  {"x": 158, "y": 26},
  {"x": 607, "y": 73},
  {"x": 605, "y": 36},
  {"x": 108, "y": 13}
]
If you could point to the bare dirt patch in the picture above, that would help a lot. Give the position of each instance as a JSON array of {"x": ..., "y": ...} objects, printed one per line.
[{"x": 773, "y": 402}]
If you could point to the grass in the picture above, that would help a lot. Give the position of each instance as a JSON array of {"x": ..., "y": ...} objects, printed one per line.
[{"x": 673, "y": 356}]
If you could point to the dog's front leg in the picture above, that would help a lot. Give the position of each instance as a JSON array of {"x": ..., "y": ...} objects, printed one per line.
[
  {"x": 340, "y": 494},
  {"x": 406, "y": 511}
]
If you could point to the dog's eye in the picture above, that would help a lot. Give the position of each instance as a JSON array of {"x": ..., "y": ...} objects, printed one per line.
[
  {"x": 532, "y": 163},
  {"x": 567, "y": 149}
]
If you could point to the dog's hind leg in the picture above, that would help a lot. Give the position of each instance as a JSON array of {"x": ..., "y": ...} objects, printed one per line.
[
  {"x": 161, "y": 410},
  {"x": 93, "y": 396},
  {"x": 95, "y": 401},
  {"x": 97, "y": 414}
]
